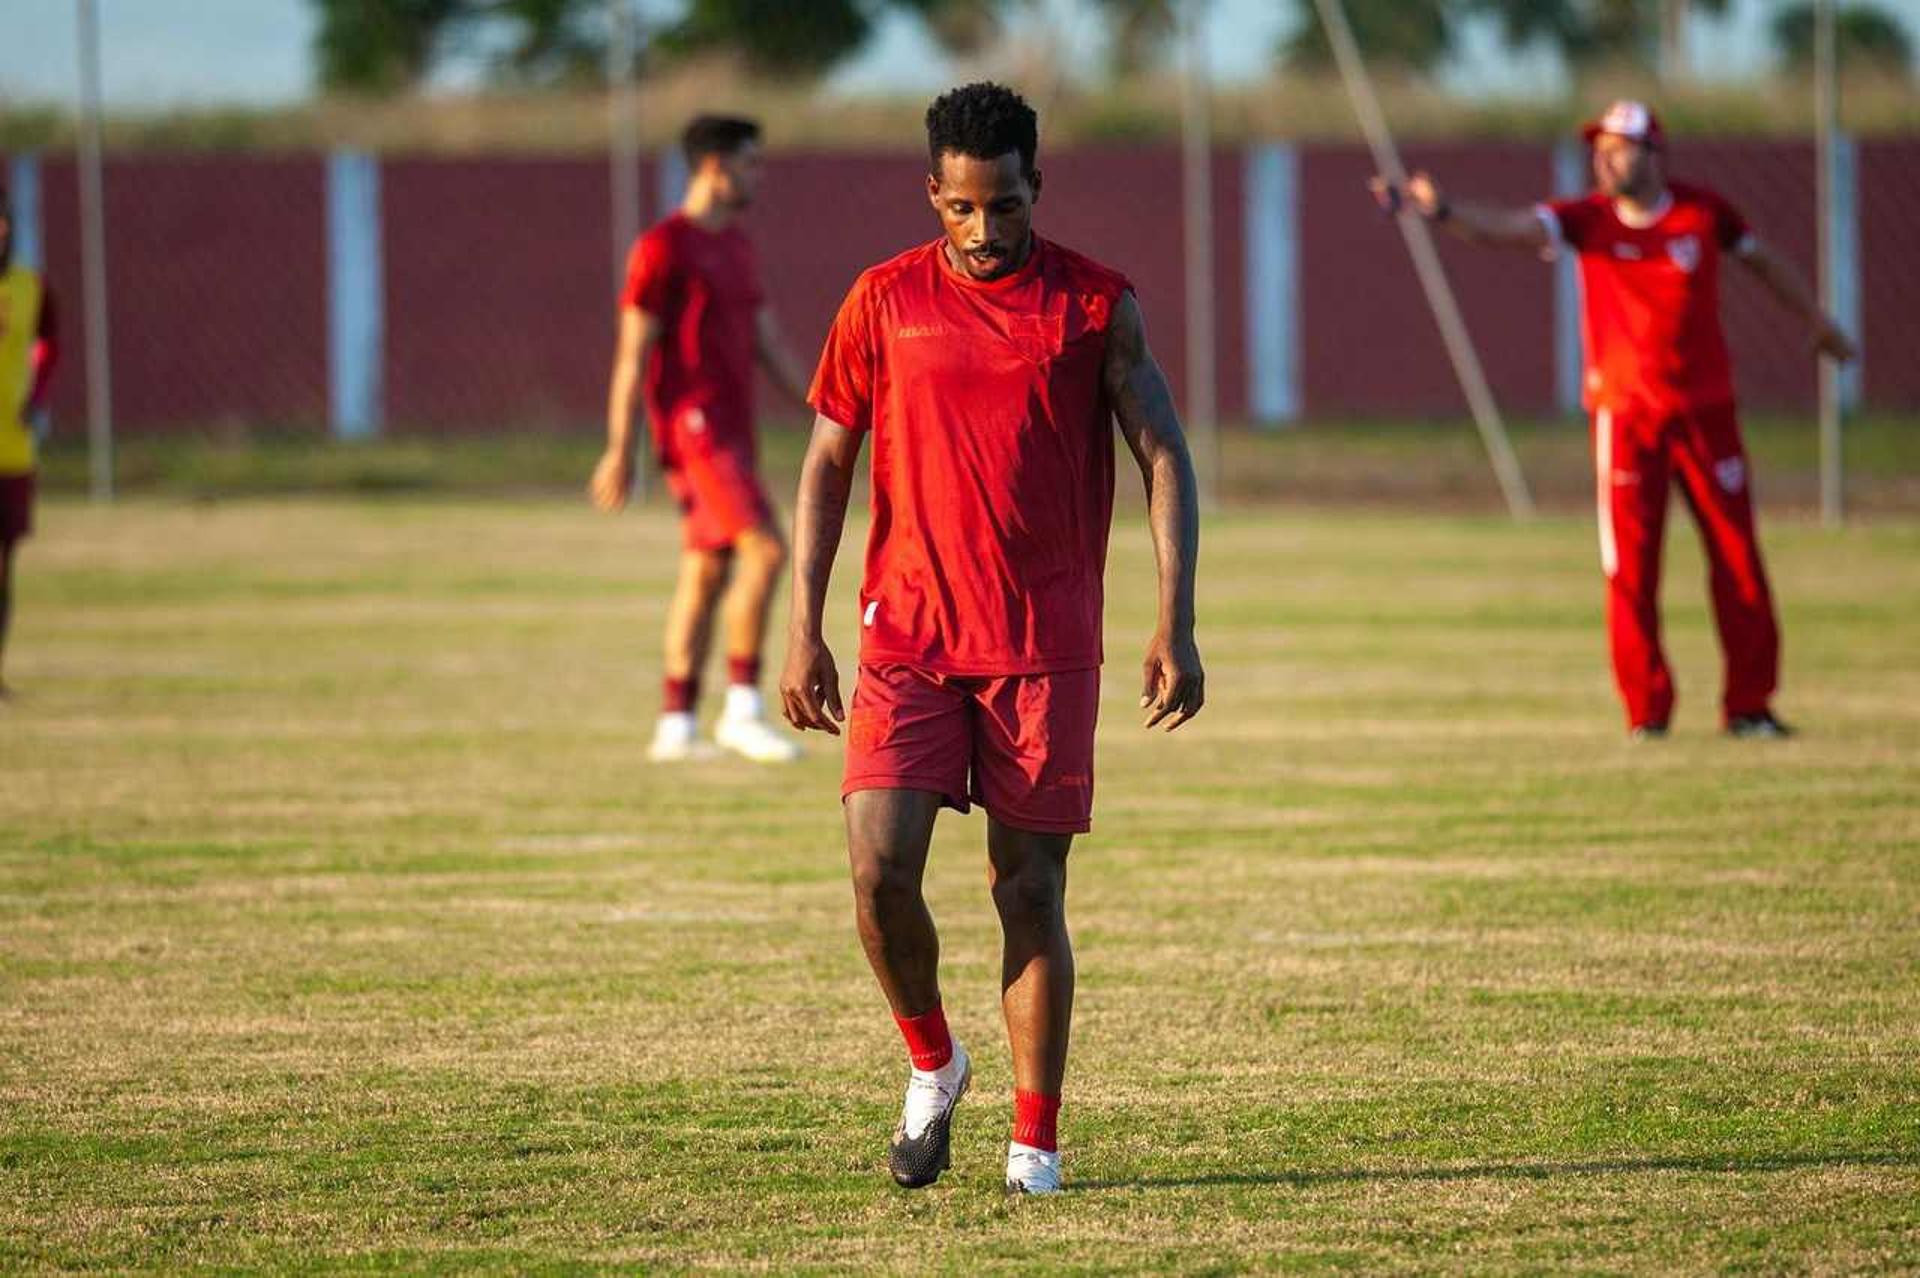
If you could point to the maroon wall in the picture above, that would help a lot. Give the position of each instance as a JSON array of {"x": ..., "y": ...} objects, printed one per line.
[
  {"x": 1368, "y": 341},
  {"x": 216, "y": 271},
  {"x": 500, "y": 292},
  {"x": 499, "y": 280},
  {"x": 1890, "y": 271}
]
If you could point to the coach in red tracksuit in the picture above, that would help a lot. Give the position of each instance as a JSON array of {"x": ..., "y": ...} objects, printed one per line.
[{"x": 1660, "y": 390}]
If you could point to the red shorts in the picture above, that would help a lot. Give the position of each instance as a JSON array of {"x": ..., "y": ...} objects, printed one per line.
[
  {"x": 720, "y": 496},
  {"x": 16, "y": 507},
  {"x": 1021, "y": 746}
]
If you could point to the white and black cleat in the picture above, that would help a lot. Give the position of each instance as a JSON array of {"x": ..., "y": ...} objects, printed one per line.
[
  {"x": 922, "y": 1145},
  {"x": 1032, "y": 1172}
]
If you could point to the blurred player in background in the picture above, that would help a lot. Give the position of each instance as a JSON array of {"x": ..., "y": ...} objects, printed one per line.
[
  {"x": 28, "y": 351},
  {"x": 989, "y": 366},
  {"x": 693, "y": 321},
  {"x": 1660, "y": 389}
]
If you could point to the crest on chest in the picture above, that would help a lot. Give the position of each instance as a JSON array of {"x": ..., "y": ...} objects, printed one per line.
[{"x": 1037, "y": 337}]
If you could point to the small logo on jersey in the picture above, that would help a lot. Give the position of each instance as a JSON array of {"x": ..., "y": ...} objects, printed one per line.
[
  {"x": 1685, "y": 252},
  {"x": 1627, "y": 252},
  {"x": 1731, "y": 474},
  {"x": 1073, "y": 781},
  {"x": 866, "y": 618},
  {"x": 906, "y": 331}
]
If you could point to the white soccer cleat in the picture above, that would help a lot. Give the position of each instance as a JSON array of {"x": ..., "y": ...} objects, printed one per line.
[
  {"x": 743, "y": 729},
  {"x": 676, "y": 739},
  {"x": 1032, "y": 1171},
  {"x": 755, "y": 739},
  {"x": 922, "y": 1144}
]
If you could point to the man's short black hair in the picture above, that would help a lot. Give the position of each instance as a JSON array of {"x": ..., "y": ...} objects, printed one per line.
[
  {"x": 716, "y": 135},
  {"x": 985, "y": 121}
]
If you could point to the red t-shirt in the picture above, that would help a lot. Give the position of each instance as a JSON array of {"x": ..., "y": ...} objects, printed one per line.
[
  {"x": 1651, "y": 310},
  {"x": 704, "y": 288},
  {"x": 992, "y": 458}
]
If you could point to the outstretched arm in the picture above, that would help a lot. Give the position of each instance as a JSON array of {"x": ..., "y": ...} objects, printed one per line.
[
  {"x": 1470, "y": 220},
  {"x": 613, "y": 477},
  {"x": 810, "y": 682},
  {"x": 776, "y": 358},
  {"x": 1787, "y": 285},
  {"x": 1175, "y": 684}
]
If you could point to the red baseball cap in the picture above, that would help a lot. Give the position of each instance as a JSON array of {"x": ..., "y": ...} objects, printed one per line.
[{"x": 1627, "y": 119}]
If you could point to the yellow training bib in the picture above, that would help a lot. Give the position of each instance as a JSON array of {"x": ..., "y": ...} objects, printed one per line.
[{"x": 20, "y": 294}]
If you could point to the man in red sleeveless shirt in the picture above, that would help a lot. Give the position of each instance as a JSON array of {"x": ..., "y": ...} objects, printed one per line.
[
  {"x": 693, "y": 321},
  {"x": 987, "y": 366},
  {"x": 1660, "y": 389}
]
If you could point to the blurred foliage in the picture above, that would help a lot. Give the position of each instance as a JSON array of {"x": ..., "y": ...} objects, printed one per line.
[
  {"x": 379, "y": 46},
  {"x": 774, "y": 37},
  {"x": 1587, "y": 32},
  {"x": 1394, "y": 33},
  {"x": 1863, "y": 36},
  {"x": 1138, "y": 31}
]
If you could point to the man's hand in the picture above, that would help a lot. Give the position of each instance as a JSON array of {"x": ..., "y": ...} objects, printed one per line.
[
  {"x": 612, "y": 480},
  {"x": 1176, "y": 687},
  {"x": 1831, "y": 340},
  {"x": 810, "y": 686},
  {"x": 1419, "y": 193}
]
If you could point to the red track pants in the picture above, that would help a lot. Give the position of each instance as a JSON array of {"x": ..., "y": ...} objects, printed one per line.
[{"x": 1636, "y": 455}]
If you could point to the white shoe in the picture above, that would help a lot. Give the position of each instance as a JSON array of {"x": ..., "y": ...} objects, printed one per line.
[
  {"x": 922, "y": 1144},
  {"x": 754, "y": 739},
  {"x": 742, "y": 730},
  {"x": 1032, "y": 1171},
  {"x": 676, "y": 739}
]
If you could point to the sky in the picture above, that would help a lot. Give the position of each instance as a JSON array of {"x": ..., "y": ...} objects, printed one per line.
[{"x": 202, "y": 52}]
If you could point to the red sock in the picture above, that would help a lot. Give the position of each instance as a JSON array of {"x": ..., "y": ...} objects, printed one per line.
[
  {"x": 927, "y": 1038},
  {"x": 677, "y": 696},
  {"x": 1035, "y": 1119},
  {"x": 743, "y": 672}
]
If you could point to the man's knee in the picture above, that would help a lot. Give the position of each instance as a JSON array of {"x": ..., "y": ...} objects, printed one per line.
[
  {"x": 763, "y": 549},
  {"x": 705, "y": 571},
  {"x": 882, "y": 883},
  {"x": 1033, "y": 896}
]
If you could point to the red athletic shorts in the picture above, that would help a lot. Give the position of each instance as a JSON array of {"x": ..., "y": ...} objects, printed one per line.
[
  {"x": 1021, "y": 746},
  {"x": 720, "y": 496},
  {"x": 16, "y": 507}
]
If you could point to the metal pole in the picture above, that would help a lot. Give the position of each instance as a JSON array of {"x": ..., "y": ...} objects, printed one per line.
[
  {"x": 623, "y": 154},
  {"x": 93, "y": 258},
  {"x": 1826, "y": 96},
  {"x": 1426, "y": 264},
  {"x": 623, "y": 133},
  {"x": 1673, "y": 42},
  {"x": 1197, "y": 225}
]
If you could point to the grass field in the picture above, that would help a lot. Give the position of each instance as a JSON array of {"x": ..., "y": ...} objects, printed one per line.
[{"x": 342, "y": 926}]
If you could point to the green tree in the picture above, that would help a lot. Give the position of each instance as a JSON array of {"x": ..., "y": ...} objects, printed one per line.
[
  {"x": 959, "y": 26},
  {"x": 1404, "y": 33},
  {"x": 1137, "y": 31},
  {"x": 1863, "y": 35},
  {"x": 378, "y": 46},
  {"x": 1587, "y": 31},
  {"x": 552, "y": 42},
  {"x": 775, "y": 37}
]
